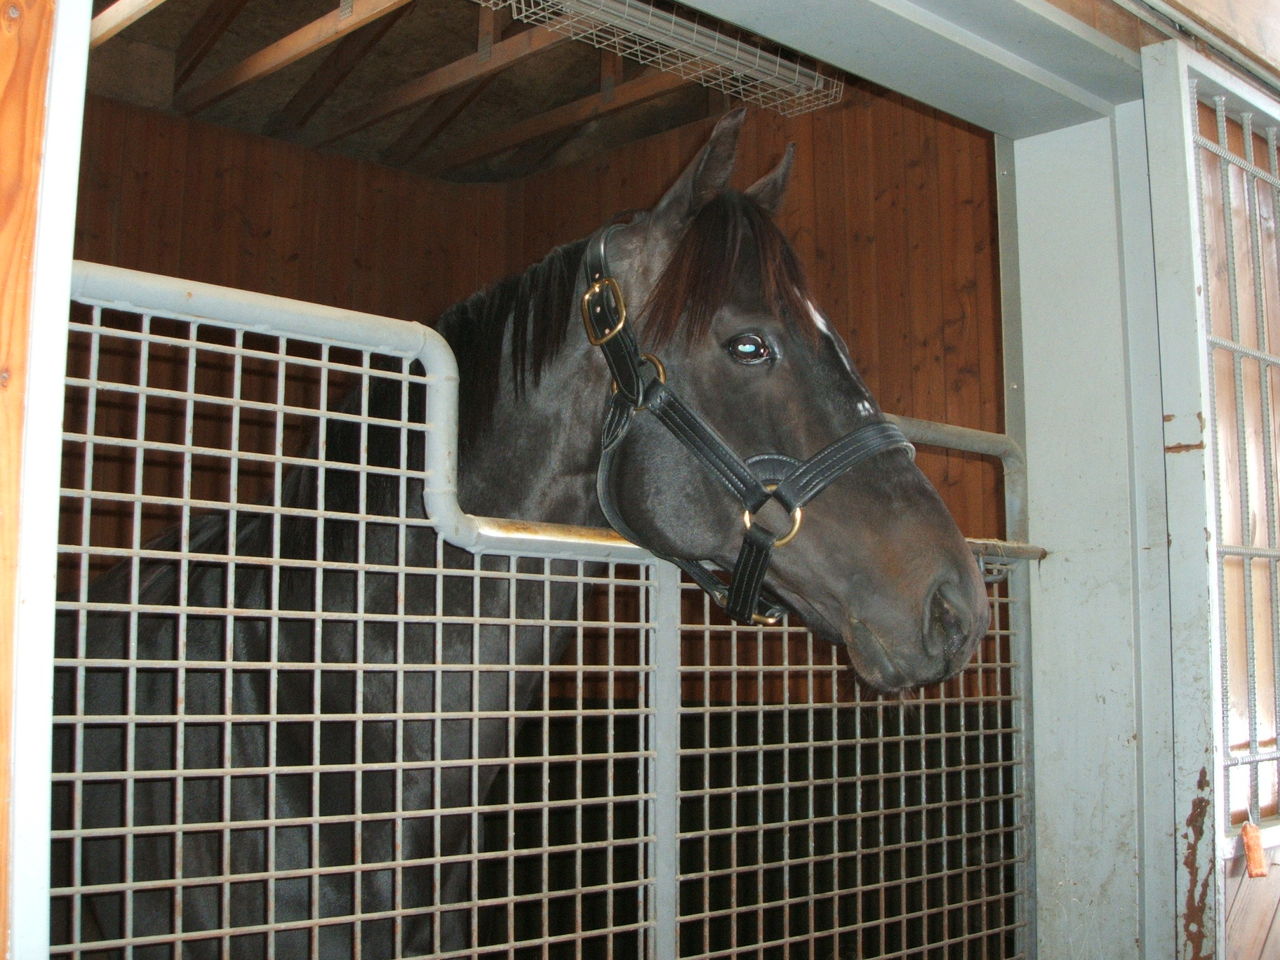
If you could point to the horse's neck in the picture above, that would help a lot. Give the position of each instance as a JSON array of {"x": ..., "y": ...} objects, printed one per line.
[{"x": 537, "y": 460}]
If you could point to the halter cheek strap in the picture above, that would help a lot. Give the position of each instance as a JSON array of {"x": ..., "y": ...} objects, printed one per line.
[{"x": 640, "y": 386}]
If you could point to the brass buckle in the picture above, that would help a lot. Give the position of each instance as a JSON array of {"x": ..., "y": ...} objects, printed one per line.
[
  {"x": 797, "y": 517},
  {"x": 593, "y": 291}
]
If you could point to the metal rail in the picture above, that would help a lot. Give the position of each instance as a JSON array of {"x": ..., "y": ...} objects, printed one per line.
[{"x": 133, "y": 290}]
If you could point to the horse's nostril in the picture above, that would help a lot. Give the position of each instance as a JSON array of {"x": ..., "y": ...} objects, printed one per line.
[{"x": 947, "y": 629}]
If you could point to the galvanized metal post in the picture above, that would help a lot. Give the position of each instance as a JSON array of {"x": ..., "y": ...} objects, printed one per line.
[{"x": 664, "y": 722}]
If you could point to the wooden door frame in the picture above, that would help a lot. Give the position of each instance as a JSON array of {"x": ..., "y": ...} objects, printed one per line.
[{"x": 44, "y": 50}]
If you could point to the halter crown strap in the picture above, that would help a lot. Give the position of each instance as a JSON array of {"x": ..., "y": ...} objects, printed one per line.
[{"x": 639, "y": 383}]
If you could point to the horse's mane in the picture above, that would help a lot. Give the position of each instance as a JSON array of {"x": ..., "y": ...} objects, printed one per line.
[{"x": 532, "y": 312}]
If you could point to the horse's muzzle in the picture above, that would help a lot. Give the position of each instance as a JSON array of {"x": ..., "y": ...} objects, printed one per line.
[{"x": 953, "y": 623}]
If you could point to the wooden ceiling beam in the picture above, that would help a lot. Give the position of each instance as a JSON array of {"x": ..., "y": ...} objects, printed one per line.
[
  {"x": 539, "y": 152},
  {"x": 306, "y": 40},
  {"x": 195, "y": 46},
  {"x": 492, "y": 25},
  {"x": 450, "y": 77},
  {"x": 335, "y": 68},
  {"x": 610, "y": 72},
  {"x": 627, "y": 94},
  {"x": 116, "y": 17},
  {"x": 433, "y": 121},
  {"x": 441, "y": 111}
]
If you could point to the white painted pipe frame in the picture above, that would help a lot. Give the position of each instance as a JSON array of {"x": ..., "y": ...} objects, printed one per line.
[{"x": 144, "y": 292}]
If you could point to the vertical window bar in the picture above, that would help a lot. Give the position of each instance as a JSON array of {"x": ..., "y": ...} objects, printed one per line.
[
  {"x": 1273, "y": 166},
  {"x": 77, "y": 719}
]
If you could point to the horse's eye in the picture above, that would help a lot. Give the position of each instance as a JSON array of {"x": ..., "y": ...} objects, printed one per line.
[{"x": 749, "y": 348}]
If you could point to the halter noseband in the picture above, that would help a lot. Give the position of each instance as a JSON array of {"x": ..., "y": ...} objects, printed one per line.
[{"x": 639, "y": 384}]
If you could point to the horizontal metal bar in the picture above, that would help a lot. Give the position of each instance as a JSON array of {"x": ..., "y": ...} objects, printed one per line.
[
  {"x": 1010, "y": 454},
  {"x": 910, "y": 952},
  {"x": 713, "y": 709},
  {"x": 431, "y": 813},
  {"x": 1239, "y": 349},
  {"x": 97, "y": 946},
  {"x": 1250, "y": 168},
  {"x": 139, "y": 292},
  {"x": 1248, "y": 552},
  {"x": 327, "y": 364},
  {"x": 801, "y": 823},
  {"x": 738, "y": 910},
  {"x": 1006, "y": 550},
  {"x": 898, "y": 810},
  {"x": 1250, "y": 759},
  {"x": 346, "y": 869},
  {"x": 278, "y": 316}
]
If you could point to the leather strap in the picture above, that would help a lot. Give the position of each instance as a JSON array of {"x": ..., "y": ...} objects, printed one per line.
[{"x": 639, "y": 385}]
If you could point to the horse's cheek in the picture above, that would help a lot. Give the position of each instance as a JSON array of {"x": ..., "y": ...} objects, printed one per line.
[{"x": 668, "y": 499}]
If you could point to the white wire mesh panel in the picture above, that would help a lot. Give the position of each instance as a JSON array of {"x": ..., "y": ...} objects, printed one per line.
[
  {"x": 1239, "y": 184},
  {"x": 291, "y": 722},
  {"x": 820, "y": 819}
]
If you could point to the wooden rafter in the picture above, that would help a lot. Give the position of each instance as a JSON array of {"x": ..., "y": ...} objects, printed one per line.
[
  {"x": 627, "y": 94},
  {"x": 441, "y": 111},
  {"x": 118, "y": 16},
  {"x": 432, "y": 122},
  {"x": 314, "y": 36},
  {"x": 447, "y": 78},
  {"x": 540, "y": 150},
  {"x": 336, "y": 67},
  {"x": 493, "y": 26},
  {"x": 610, "y": 73},
  {"x": 195, "y": 46}
]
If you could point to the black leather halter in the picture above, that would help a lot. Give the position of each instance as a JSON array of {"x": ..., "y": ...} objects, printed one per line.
[{"x": 640, "y": 385}]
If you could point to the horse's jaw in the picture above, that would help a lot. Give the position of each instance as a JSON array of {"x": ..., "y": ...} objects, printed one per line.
[
  {"x": 890, "y": 658},
  {"x": 868, "y": 654}
]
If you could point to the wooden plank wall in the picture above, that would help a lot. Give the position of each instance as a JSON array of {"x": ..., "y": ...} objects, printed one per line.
[
  {"x": 192, "y": 200},
  {"x": 891, "y": 210}
]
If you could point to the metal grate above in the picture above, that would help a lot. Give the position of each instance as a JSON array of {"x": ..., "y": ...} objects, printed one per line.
[{"x": 689, "y": 46}]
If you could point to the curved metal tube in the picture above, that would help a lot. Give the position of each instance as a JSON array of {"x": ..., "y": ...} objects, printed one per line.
[{"x": 262, "y": 313}]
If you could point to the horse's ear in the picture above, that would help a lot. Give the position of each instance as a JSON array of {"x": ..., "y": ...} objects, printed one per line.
[
  {"x": 705, "y": 176},
  {"x": 768, "y": 190}
]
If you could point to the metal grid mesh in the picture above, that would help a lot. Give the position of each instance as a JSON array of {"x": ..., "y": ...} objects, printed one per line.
[
  {"x": 1239, "y": 184},
  {"x": 820, "y": 819},
  {"x": 285, "y": 721},
  {"x": 295, "y": 724},
  {"x": 690, "y": 47}
]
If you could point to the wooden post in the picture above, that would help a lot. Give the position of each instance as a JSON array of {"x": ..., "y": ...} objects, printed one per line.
[{"x": 26, "y": 37}]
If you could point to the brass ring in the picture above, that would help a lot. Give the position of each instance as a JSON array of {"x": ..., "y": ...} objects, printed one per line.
[
  {"x": 797, "y": 517},
  {"x": 657, "y": 366},
  {"x": 593, "y": 291}
]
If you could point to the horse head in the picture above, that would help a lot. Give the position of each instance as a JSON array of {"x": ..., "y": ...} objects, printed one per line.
[{"x": 874, "y": 560}]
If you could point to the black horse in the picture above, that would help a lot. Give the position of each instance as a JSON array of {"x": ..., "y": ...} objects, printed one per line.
[{"x": 868, "y": 557}]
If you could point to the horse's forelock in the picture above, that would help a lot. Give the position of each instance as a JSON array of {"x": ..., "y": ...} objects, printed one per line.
[{"x": 730, "y": 235}]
